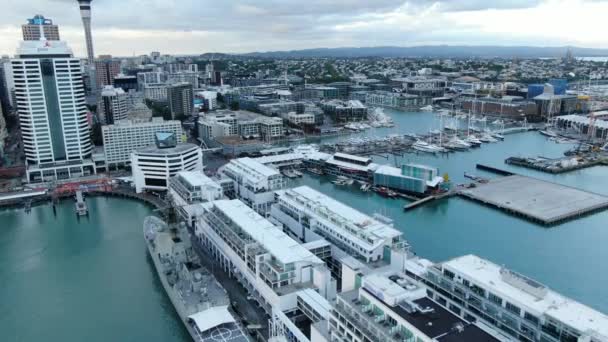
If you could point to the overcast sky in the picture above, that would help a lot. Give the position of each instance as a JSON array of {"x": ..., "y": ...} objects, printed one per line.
[{"x": 127, "y": 27}]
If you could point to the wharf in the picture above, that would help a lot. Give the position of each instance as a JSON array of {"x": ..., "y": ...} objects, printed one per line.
[
  {"x": 554, "y": 166},
  {"x": 494, "y": 170},
  {"x": 536, "y": 200},
  {"x": 424, "y": 200}
]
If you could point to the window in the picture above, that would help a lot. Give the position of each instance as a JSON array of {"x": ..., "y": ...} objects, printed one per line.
[
  {"x": 495, "y": 299},
  {"x": 513, "y": 308}
]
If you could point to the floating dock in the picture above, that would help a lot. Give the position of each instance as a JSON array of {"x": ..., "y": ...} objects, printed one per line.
[
  {"x": 536, "y": 200},
  {"x": 81, "y": 206}
]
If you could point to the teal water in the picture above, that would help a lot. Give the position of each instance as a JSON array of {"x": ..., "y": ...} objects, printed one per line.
[
  {"x": 569, "y": 258},
  {"x": 64, "y": 279}
]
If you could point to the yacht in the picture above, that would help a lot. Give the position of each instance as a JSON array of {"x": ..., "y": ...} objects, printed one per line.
[
  {"x": 459, "y": 144},
  {"x": 473, "y": 141},
  {"x": 428, "y": 108},
  {"x": 423, "y": 146},
  {"x": 548, "y": 133},
  {"x": 487, "y": 138},
  {"x": 498, "y": 136}
]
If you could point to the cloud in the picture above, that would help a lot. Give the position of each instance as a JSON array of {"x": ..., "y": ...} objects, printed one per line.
[{"x": 124, "y": 27}]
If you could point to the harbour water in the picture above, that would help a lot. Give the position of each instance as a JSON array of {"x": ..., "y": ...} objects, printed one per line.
[
  {"x": 64, "y": 279},
  {"x": 87, "y": 279},
  {"x": 568, "y": 258}
]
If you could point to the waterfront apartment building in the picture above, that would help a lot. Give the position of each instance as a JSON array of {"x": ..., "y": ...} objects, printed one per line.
[
  {"x": 155, "y": 92},
  {"x": 301, "y": 119},
  {"x": 243, "y": 123},
  {"x": 396, "y": 100},
  {"x": 272, "y": 267},
  {"x": 187, "y": 188},
  {"x": 518, "y": 307},
  {"x": 123, "y": 137},
  {"x": 107, "y": 69},
  {"x": 253, "y": 183},
  {"x": 153, "y": 166},
  {"x": 392, "y": 308},
  {"x": 311, "y": 215},
  {"x": 180, "y": 97},
  {"x": 421, "y": 85},
  {"x": 113, "y": 105},
  {"x": 31, "y": 30},
  {"x": 344, "y": 111},
  {"x": 50, "y": 101}
]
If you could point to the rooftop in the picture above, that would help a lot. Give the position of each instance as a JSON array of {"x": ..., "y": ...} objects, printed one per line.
[
  {"x": 347, "y": 214},
  {"x": 153, "y": 150},
  {"x": 552, "y": 304},
  {"x": 196, "y": 178},
  {"x": 277, "y": 243}
]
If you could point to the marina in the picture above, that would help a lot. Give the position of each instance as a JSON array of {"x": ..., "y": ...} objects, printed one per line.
[
  {"x": 539, "y": 201},
  {"x": 557, "y": 165}
]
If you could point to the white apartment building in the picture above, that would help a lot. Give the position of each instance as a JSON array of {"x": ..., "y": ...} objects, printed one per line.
[
  {"x": 253, "y": 182},
  {"x": 271, "y": 128},
  {"x": 152, "y": 167},
  {"x": 123, "y": 137},
  {"x": 311, "y": 215},
  {"x": 155, "y": 92},
  {"x": 518, "y": 307},
  {"x": 271, "y": 266},
  {"x": 113, "y": 105},
  {"x": 50, "y": 101},
  {"x": 299, "y": 119},
  {"x": 388, "y": 307},
  {"x": 187, "y": 188},
  {"x": 149, "y": 78}
]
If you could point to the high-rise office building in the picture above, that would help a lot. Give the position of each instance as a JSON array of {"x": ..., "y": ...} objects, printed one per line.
[
  {"x": 85, "y": 14},
  {"x": 106, "y": 70},
  {"x": 31, "y": 30},
  {"x": 50, "y": 101},
  {"x": 113, "y": 105},
  {"x": 181, "y": 99}
]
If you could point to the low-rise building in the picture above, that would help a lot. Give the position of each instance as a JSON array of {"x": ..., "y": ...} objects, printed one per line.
[
  {"x": 344, "y": 111},
  {"x": 301, "y": 119},
  {"x": 153, "y": 166},
  {"x": 311, "y": 215},
  {"x": 188, "y": 188},
  {"x": 123, "y": 137},
  {"x": 396, "y": 100},
  {"x": 272, "y": 267},
  {"x": 253, "y": 182},
  {"x": 391, "y": 308},
  {"x": 520, "y": 308}
]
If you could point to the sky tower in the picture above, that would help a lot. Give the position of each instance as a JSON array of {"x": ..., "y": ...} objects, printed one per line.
[{"x": 85, "y": 14}]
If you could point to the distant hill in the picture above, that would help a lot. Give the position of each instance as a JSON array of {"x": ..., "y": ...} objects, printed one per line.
[{"x": 445, "y": 51}]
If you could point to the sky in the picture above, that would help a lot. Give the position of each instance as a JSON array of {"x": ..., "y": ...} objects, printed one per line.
[{"x": 136, "y": 27}]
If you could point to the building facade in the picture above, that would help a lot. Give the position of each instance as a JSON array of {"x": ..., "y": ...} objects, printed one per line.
[
  {"x": 106, "y": 69},
  {"x": 31, "y": 30},
  {"x": 253, "y": 183},
  {"x": 123, "y": 137},
  {"x": 50, "y": 99},
  {"x": 153, "y": 166},
  {"x": 113, "y": 105},
  {"x": 180, "y": 97}
]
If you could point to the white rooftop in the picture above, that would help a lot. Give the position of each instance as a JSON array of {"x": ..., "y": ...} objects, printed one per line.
[
  {"x": 552, "y": 304},
  {"x": 353, "y": 157},
  {"x": 252, "y": 170},
  {"x": 212, "y": 317},
  {"x": 277, "y": 158},
  {"x": 364, "y": 223},
  {"x": 196, "y": 178},
  {"x": 316, "y": 301},
  {"x": 277, "y": 243},
  {"x": 43, "y": 47}
]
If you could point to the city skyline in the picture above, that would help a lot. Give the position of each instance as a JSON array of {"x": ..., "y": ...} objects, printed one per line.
[{"x": 196, "y": 27}]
